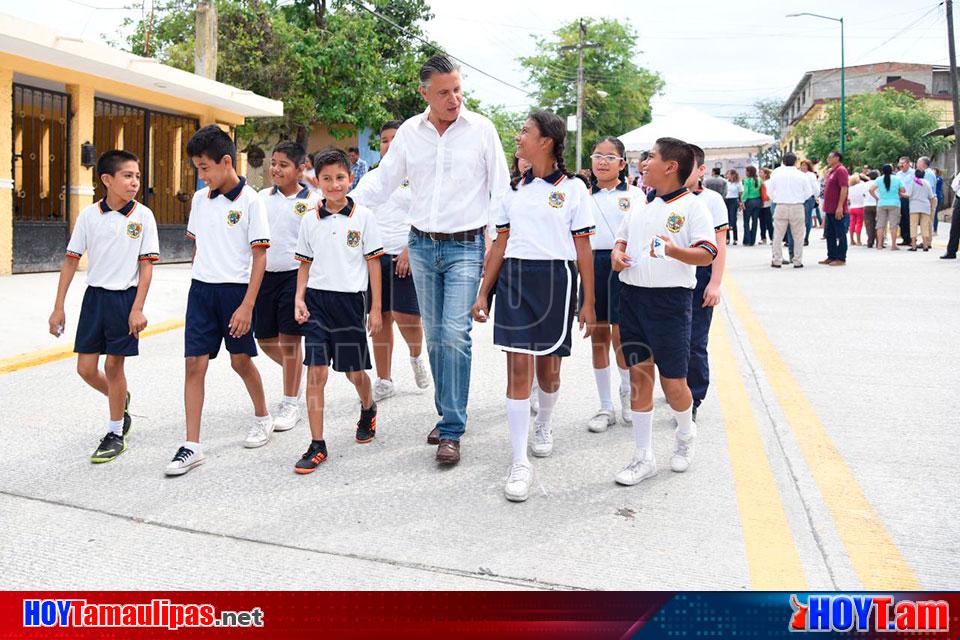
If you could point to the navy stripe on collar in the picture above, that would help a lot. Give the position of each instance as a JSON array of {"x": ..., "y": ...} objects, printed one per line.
[
  {"x": 668, "y": 196},
  {"x": 124, "y": 210},
  {"x": 323, "y": 212},
  {"x": 551, "y": 178},
  {"x": 303, "y": 193},
  {"x": 233, "y": 194},
  {"x": 594, "y": 187}
]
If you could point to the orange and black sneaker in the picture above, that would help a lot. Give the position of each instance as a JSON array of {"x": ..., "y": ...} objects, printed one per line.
[
  {"x": 308, "y": 462},
  {"x": 367, "y": 426}
]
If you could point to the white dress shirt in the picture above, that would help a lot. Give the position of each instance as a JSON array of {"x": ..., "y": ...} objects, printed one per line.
[
  {"x": 457, "y": 179},
  {"x": 789, "y": 185}
]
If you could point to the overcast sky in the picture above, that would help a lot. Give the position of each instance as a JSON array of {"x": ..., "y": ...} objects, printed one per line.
[{"x": 715, "y": 56}]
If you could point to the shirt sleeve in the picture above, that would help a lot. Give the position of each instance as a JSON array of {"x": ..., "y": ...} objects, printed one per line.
[
  {"x": 78, "y": 239},
  {"x": 583, "y": 224},
  {"x": 377, "y": 187},
  {"x": 702, "y": 233},
  {"x": 623, "y": 231},
  {"x": 304, "y": 252},
  {"x": 718, "y": 210},
  {"x": 498, "y": 176},
  {"x": 372, "y": 245},
  {"x": 258, "y": 229},
  {"x": 502, "y": 220},
  {"x": 191, "y": 217},
  {"x": 149, "y": 238}
]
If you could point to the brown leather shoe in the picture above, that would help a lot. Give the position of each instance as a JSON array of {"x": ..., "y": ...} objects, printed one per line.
[
  {"x": 434, "y": 437},
  {"x": 826, "y": 261},
  {"x": 838, "y": 263},
  {"x": 448, "y": 452}
]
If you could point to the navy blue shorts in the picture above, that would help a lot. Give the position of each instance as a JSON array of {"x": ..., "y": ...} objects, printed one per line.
[
  {"x": 336, "y": 332},
  {"x": 606, "y": 288},
  {"x": 655, "y": 322},
  {"x": 396, "y": 293},
  {"x": 273, "y": 313},
  {"x": 104, "y": 325},
  {"x": 535, "y": 305},
  {"x": 209, "y": 309}
]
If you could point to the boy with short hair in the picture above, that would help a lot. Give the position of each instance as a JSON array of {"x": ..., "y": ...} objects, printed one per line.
[
  {"x": 120, "y": 237},
  {"x": 339, "y": 252},
  {"x": 228, "y": 224},
  {"x": 276, "y": 330},
  {"x": 657, "y": 251}
]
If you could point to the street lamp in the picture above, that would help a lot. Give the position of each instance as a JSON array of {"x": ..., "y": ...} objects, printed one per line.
[{"x": 843, "y": 83}]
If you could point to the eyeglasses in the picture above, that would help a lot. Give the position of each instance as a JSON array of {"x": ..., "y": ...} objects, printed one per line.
[{"x": 598, "y": 157}]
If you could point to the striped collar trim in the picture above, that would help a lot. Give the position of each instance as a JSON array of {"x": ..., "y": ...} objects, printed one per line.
[
  {"x": 125, "y": 210},
  {"x": 323, "y": 212},
  {"x": 231, "y": 195},
  {"x": 673, "y": 196},
  {"x": 554, "y": 178}
]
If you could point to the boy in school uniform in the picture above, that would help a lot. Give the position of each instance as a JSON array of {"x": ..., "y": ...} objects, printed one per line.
[
  {"x": 657, "y": 251},
  {"x": 277, "y": 331},
  {"x": 339, "y": 251},
  {"x": 119, "y": 235},
  {"x": 229, "y": 228}
]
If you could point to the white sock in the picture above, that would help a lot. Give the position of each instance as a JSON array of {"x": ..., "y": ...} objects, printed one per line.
[
  {"x": 547, "y": 402},
  {"x": 624, "y": 379},
  {"x": 518, "y": 419},
  {"x": 193, "y": 446},
  {"x": 602, "y": 376},
  {"x": 290, "y": 400},
  {"x": 415, "y": 360},
  {"x": 684, "y": 421},
  {"x": 266, "y": 418},
  {"x": 115, "y": 426},
  {"x": 643, "y": 431}
]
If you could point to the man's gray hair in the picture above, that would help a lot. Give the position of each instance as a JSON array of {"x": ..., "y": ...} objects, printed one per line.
[
  {"x": 925, "y": 160},
  {"x": 436, "y": 64}
]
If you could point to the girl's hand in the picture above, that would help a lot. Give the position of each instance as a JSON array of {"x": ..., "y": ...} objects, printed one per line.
[
  {"x": 403, "y": 264},
  {"x": 374, "y": 322},
  {"x": 588, "y": 319},
  {"x": 300, "y": 312},
  {"x": 480, "y": 310},
  {"x": 620, "y": 260},
  {"x": 57, "y": 321}
]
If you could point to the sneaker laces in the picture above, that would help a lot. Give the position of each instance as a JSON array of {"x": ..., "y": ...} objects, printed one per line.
[
  {"x": 683, "y": 447},
  {"x": 636, "y": 463},
  {"x": 515, "y": 470},
  {"x": 256, "y": 430},
  {"x": 312, "y": 450},
  {"x": 287, "y": 410},
  {"x": 541, "y": 431},
  {"x": 182, "y": 454}
]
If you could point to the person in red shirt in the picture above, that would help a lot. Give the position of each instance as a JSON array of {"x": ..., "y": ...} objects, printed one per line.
[{"x": 836, "y": 215}]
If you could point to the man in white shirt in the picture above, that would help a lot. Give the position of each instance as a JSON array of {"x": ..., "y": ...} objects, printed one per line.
[
  {"x": 788, "y": 188},
  {"x": 458, "y": 174},
  {"x": 954, "y": 240}
]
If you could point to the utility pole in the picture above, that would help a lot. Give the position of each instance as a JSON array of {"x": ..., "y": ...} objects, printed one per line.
[
  {"x": 953, "y": 86},
  {"x": 205, "y": 41},
  {"x": 579, "y": 47}
]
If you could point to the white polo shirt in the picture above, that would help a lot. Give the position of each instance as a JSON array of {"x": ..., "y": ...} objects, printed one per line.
[
  {"x": 284, "y": 214},
  {"x": 611, "y": 206},
  {"x": 224, "y": 228},
  {"x": 338, "y": 245},
  {"x": 393, "y": 216},
  {"x": 717, "y": 208},
  {"x": 685, "y": 219},
  {"x": 116, "y": 242},
  {"x": 789, "y": 185},
  {"x": 543, "y": 217}
]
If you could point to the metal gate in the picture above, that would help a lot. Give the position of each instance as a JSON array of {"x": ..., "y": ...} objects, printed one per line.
[{"x": 41, "y": 133}]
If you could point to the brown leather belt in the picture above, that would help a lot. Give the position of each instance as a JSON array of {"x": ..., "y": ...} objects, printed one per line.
[{"x": 459, "y": 236}]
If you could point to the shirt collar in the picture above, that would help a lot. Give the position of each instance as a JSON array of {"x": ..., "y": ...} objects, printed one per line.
[
  {"x": 667, "y": 197},
  {"x": 323, "y": 212},
  {"x": 231, "y": 195},
  {"x": 125, "y": 210},
  {"x": 554, "y": 178},
  {"x": 594, "y": 187},
  {"x": 303, "y": 193},
  {"x": 465, "y": 114}
]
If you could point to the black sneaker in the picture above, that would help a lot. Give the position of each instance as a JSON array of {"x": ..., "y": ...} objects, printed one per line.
[
  {"x": 127, "y": 420},
  {"x": 110, "y": 447},
  {"x": 308, "y": 462},
  {"x": 367, "y": 425},
  {"x": 693, "y": 414}
]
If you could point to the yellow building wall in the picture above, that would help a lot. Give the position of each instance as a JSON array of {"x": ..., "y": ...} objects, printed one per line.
[{"x": 6, "y": 171}]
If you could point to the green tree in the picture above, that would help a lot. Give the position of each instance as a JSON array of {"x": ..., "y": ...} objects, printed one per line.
[
  {"x": 507, "y": 123},
  {"x": 881, "y": 127},
  {"x": 764, "y": 118},
  {"x": 609, "y": 69}
]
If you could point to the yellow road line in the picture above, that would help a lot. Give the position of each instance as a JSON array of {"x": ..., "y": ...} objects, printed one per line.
[
  {"x": 772, "y": 554},
  {"x": 62, "y": 352},
  {"x": 872, "y": 552}
]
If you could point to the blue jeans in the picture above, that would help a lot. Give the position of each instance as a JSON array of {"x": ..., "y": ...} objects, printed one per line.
[
  {"x": 447, "y": 276},
  {"x": 751, "y": 218},
  {"x": 836, "y": 231}
]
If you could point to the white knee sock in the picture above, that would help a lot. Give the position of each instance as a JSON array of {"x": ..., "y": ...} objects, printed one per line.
[
  {"x": 602, "y": 376},
  {"x": 518, "y": 419},
  {"x": 115, "y": 426},
  {"x": 624, "y": 379},
  {"x": 684, "y": 421},
  {"x": 547, "y": 402},
  {"x": 643, "y": 431}
]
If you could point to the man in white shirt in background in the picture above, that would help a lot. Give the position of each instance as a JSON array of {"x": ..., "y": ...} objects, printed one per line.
[
  {"x": 788, "y": 188},
  {"x": 954, "y": 240}
]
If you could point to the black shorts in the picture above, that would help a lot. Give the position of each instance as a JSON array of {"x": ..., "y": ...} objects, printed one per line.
[
  {"x": 274, "y": 309},
  {"x": 535, "y": 306},
  {"x": 396, "y": 293},
  {"x": 209, "y": 309},
  {"x": 655, "y": 323},
  {"x": 104, "y": 325},
  {"x": 606, "y": 288},
  {"x": 336, "y": 332}
]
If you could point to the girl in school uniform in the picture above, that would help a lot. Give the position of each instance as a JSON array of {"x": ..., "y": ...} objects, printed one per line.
[
  {"x": 543, "y": 230},
  {"x": 614, "y": 199}
]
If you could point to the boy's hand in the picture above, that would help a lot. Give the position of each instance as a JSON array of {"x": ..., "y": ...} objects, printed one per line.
[
  {"x": 137, "y": 322},
  {"x": 588, "y": 319},
  {"x": 480, "y": 310},
  {"x": 374, "y": 322},
  {"x": 711, "y": 295},
  {"x": 667, "y": 246},
  {"x": 620, "y": 260},
  {"x": 403, "y": 264},
  {"x": 300, "y": 312},
  {"x": 58, "y": 320},
  {"x": 240, "y": 321}
]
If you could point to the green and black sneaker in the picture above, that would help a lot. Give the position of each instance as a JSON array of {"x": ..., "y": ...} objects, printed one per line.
[
  {"x": 127, "y": 420},
  {"x": 110, "y": 447}
]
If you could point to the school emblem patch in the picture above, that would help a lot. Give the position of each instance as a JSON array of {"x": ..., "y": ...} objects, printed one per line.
[
  {"x": 405, "y": 183},
  {"x": 233, "y": 217},
  {"x": 300, "y": 208},
  {"x": 675, "y": 222},
  {"x": 624, "y": 204},
  {"x": 134, "y": 229},
  {"x": 353, "y": 239},
  {"x": 557, "y": 199}
]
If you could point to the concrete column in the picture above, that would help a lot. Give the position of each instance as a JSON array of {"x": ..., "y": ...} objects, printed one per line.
[
  {"x": 81, "y": 179},
  {"x": 6, "y": 171}
]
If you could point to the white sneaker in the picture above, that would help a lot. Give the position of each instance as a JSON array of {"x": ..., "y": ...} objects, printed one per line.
[
  {"x": 259, "y": 433},
  {"x": 683, "y": 450},
  {"x": 184, "y": 460},
  {"x": 626, "y": 413},
  {"x": 286, "y": 417},
  {"x": 542, "y": 443},
  {"x": 643, "y": 466},
  {"x": 602, "y": 419},
  {"x": 535, "y": 398},
  {"x": 383, "y": 389},
  {"x": 518, "y": 482},
  {"x": 421, "y": 374}
]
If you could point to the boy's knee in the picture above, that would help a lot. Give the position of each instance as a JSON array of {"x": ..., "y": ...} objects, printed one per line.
[
  {"x": 113, "y": 366},
  {"x": 240, "y": 363},
  {"x": 87, "y": 370},
  {"x": 317, "y": 375}
]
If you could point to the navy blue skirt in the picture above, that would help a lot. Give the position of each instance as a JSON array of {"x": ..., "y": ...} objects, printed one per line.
[{"x": 535, "y": 304}]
